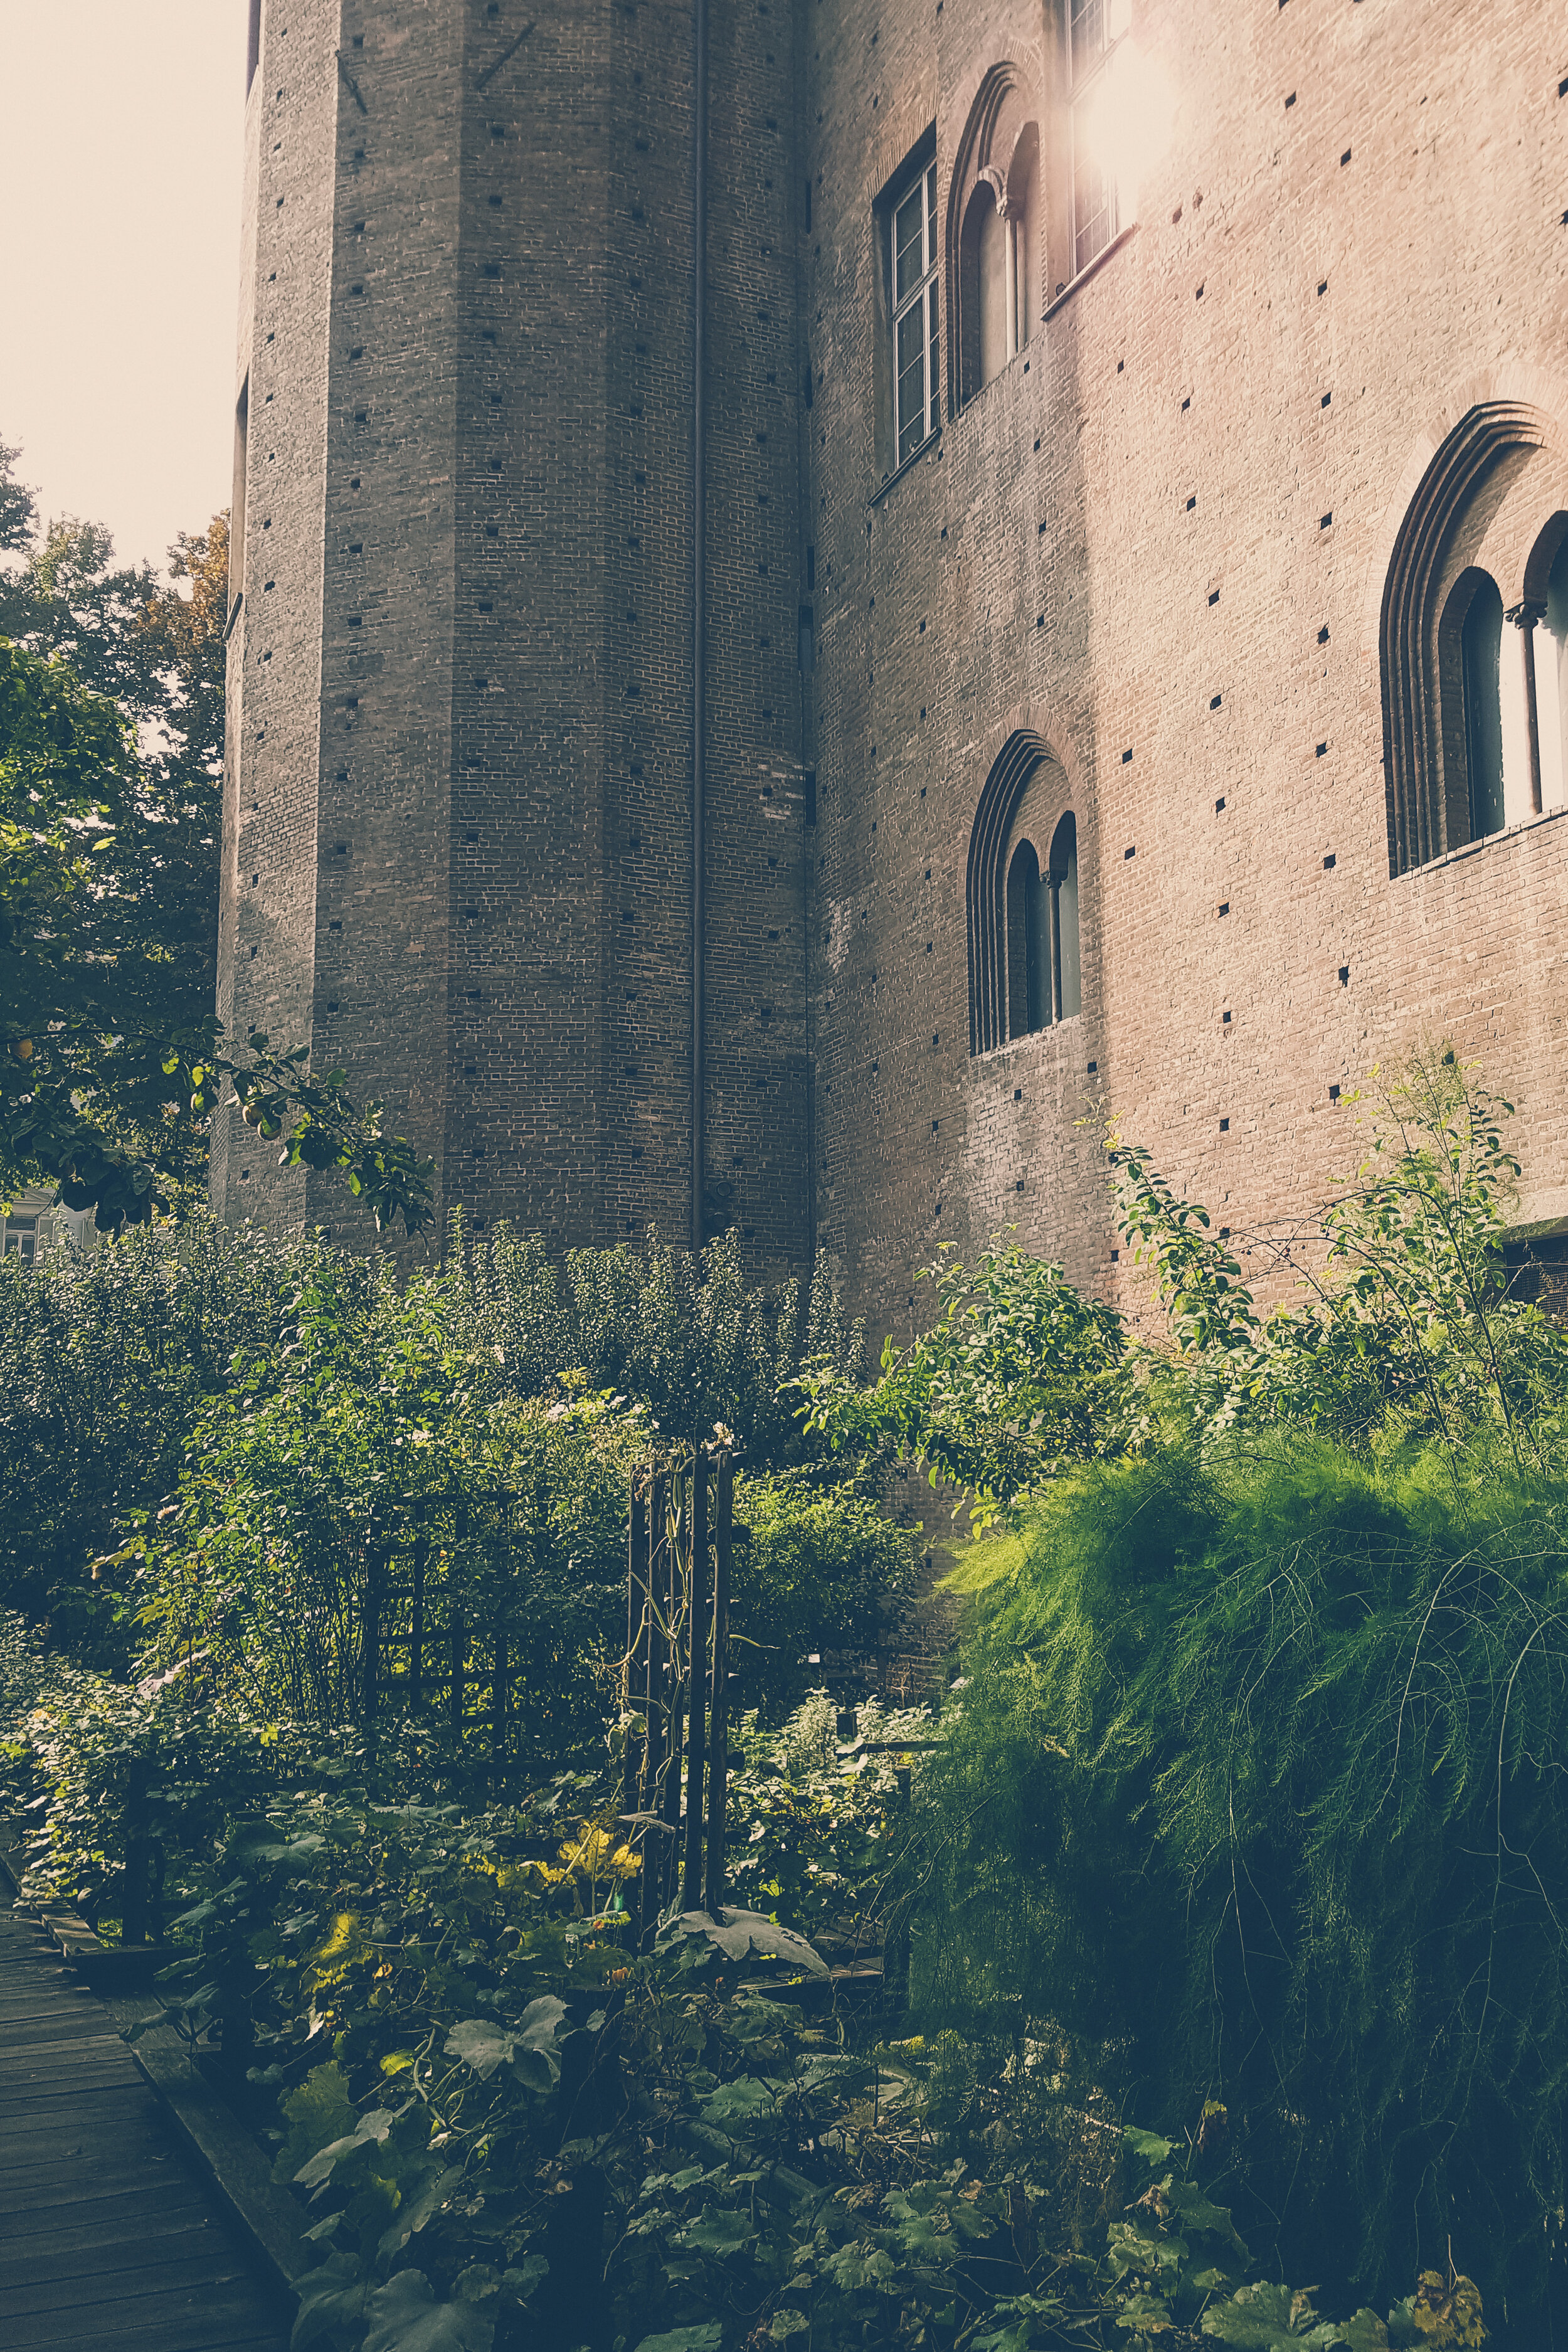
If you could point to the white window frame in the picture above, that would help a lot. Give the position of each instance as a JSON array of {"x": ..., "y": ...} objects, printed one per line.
[
  {"x": 914, "y": 307},
  {"x": 1088, "y": 62}
]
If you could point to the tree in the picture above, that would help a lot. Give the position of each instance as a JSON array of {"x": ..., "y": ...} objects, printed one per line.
[
  {"x": 111, "y": 701},
  {"x": 18, "y": 511}
]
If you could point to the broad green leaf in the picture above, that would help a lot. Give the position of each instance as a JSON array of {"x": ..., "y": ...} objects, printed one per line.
[
  {"x": 1267, "y": 2318},
  {"x": 479, "y": 2044},
  {"x": 1148, "y": 2145},
  {"x": 320, "y": 2111},
  {"x": 521, "y": 2280},
  {"x": 1129, "y": 2249},
  {"x": 1364, "y": 2332},
  {"x": 534, "y": 2058},
  {"x": 371, "y": 2129},
  {"x": 404, "y": 2316},
  {"x": 742, "y": 1936},
  {"x": 747, "y": 2095},
  {"x": 1145, "y": 2314},
  {"x": 1198, "y": 2212},
  {"x": 477, "y": 2284},
  {"x": 858, "y": 2265},
  {"x": 721, "y": 2230},
  {"x": 418, "y": 2209},
  {"x": 330, "y": 2298},
  {"x": 703, "y": 2337}
]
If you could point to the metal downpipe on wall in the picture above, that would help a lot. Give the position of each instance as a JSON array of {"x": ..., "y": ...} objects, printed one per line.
[{"x": 699, "y": 570}]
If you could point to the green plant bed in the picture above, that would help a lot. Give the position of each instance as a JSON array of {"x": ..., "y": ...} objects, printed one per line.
[{"x": 1257, "y": 1782}]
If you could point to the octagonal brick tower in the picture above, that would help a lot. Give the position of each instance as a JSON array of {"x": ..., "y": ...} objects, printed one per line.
[{"x": 473, "y": 585}]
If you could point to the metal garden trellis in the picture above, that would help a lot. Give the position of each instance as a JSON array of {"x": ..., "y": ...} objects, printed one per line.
[{"x": 675, "y": 1692}]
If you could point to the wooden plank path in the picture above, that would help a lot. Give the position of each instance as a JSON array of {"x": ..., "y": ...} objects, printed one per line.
[{"x": 108, "y": 2239}]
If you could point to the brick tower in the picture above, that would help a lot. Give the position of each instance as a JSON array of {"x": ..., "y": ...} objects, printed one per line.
[
  {"x": 484, "y": 845},
  {"x": 1112, "y": 495}
]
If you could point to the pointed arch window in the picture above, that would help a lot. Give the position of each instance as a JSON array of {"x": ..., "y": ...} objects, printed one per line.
[
  {"x": 1475, "y": 622},
  {"x": 1025, "y": 964},
  {"x": 1067, "y": 977},
  {"x": 993, "y": 233},
  {"x": 1045, "y": 983},
  {"x": 1028, "y": 943}
]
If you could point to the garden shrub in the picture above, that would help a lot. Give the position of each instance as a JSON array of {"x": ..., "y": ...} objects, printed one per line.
[
  {"x": 507, "y": 2129},
  {"x": 682, "y": 1335},
  {"x": 106, "y": 1359},
  {"x": 118, "y": 1368},
  {"x": 254, "y": 1576},
  {"x": 1256, "y": 1788},
  {"x": 821, "y": 1562}
]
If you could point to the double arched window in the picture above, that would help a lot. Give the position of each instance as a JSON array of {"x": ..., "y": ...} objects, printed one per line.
[
  {"x": 1023, "y": 900},
  {"x": 1512, "y": 686},
  {"x": 1042, "y": 979},
  {"x": 994, "y": 268},
  {"x": 1475, "y": 637}
]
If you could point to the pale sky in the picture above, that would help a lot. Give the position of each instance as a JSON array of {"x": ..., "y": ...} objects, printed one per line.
[{"x": 120, "y": 182}]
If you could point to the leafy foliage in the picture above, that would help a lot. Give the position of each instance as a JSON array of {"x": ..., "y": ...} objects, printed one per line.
[
  {"x": 499, "y": 2119},
  {"x": 107, "y": 1361},
  {"x": 111, "y": 706},
  {"x": 1257, "y": 1780},
  {"x": 822, "y": 1563},
  {"x": 683, "y": 1335},
  {"x": 1405, "y": 1330},
  {"x": 1019, "y": 1376},
  {"x": 1244, "y": 1818},
  {"x": 273, "y": 1390}
]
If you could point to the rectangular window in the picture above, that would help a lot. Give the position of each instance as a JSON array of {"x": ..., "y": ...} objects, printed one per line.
[
  {"x": 21, "y": 1239},
  {"x": 1095, "y": 30},
  {"x": 916, "y": 341}
]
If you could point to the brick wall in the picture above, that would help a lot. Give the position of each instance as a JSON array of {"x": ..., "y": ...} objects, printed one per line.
[
  {"x": 1157, "y": 540},
  {"x": 483, "y": 626},
  {"x": 1121, "y": 544},
  {"x": 268, "y": 912}
]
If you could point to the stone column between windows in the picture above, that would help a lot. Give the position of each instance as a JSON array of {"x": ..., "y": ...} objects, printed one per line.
[{"x": 1524, "y": 617}]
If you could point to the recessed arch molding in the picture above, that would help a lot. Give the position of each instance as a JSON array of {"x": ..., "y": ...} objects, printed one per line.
[
  {"x": 1421, "y": 824},
  {"x": 985, "y": 886}
]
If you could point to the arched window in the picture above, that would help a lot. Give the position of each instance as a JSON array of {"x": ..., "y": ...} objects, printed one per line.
[
  {"x": 1028, "y": 944},
  {"x": 1067, "y": 984},
  {"x": 993, "y": 234},
  {"x": 1552, "y": 679},
  {"x": 1480, "y": 655},
  {"x": 1473, "y": 678},
  {"x": 1023, "y": 917}
]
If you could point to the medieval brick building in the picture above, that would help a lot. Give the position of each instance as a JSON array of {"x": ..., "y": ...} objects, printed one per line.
[{"x": 824, "y": 585}]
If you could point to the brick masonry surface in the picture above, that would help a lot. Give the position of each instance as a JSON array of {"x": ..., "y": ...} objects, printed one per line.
[{"x": 457, "y": 849}]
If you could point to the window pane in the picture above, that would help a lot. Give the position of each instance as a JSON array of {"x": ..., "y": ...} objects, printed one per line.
[
  {"x": 1482, "y": 644},
  {"x": 994, "y": 236},
  {"x": 911, "y": 380},
  {"x": 1092, "y": 209},
  {"x": 1088, "y": 35},
  {"x": 1552, "y": 686},
  {"x": 930, "y": 218},
  {"x": 935, "y": 418},
  {"x": 908, "y": 248}
]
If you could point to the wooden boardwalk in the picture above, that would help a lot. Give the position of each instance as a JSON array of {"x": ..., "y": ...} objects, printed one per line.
[{"x": 108, "y": 2240}]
